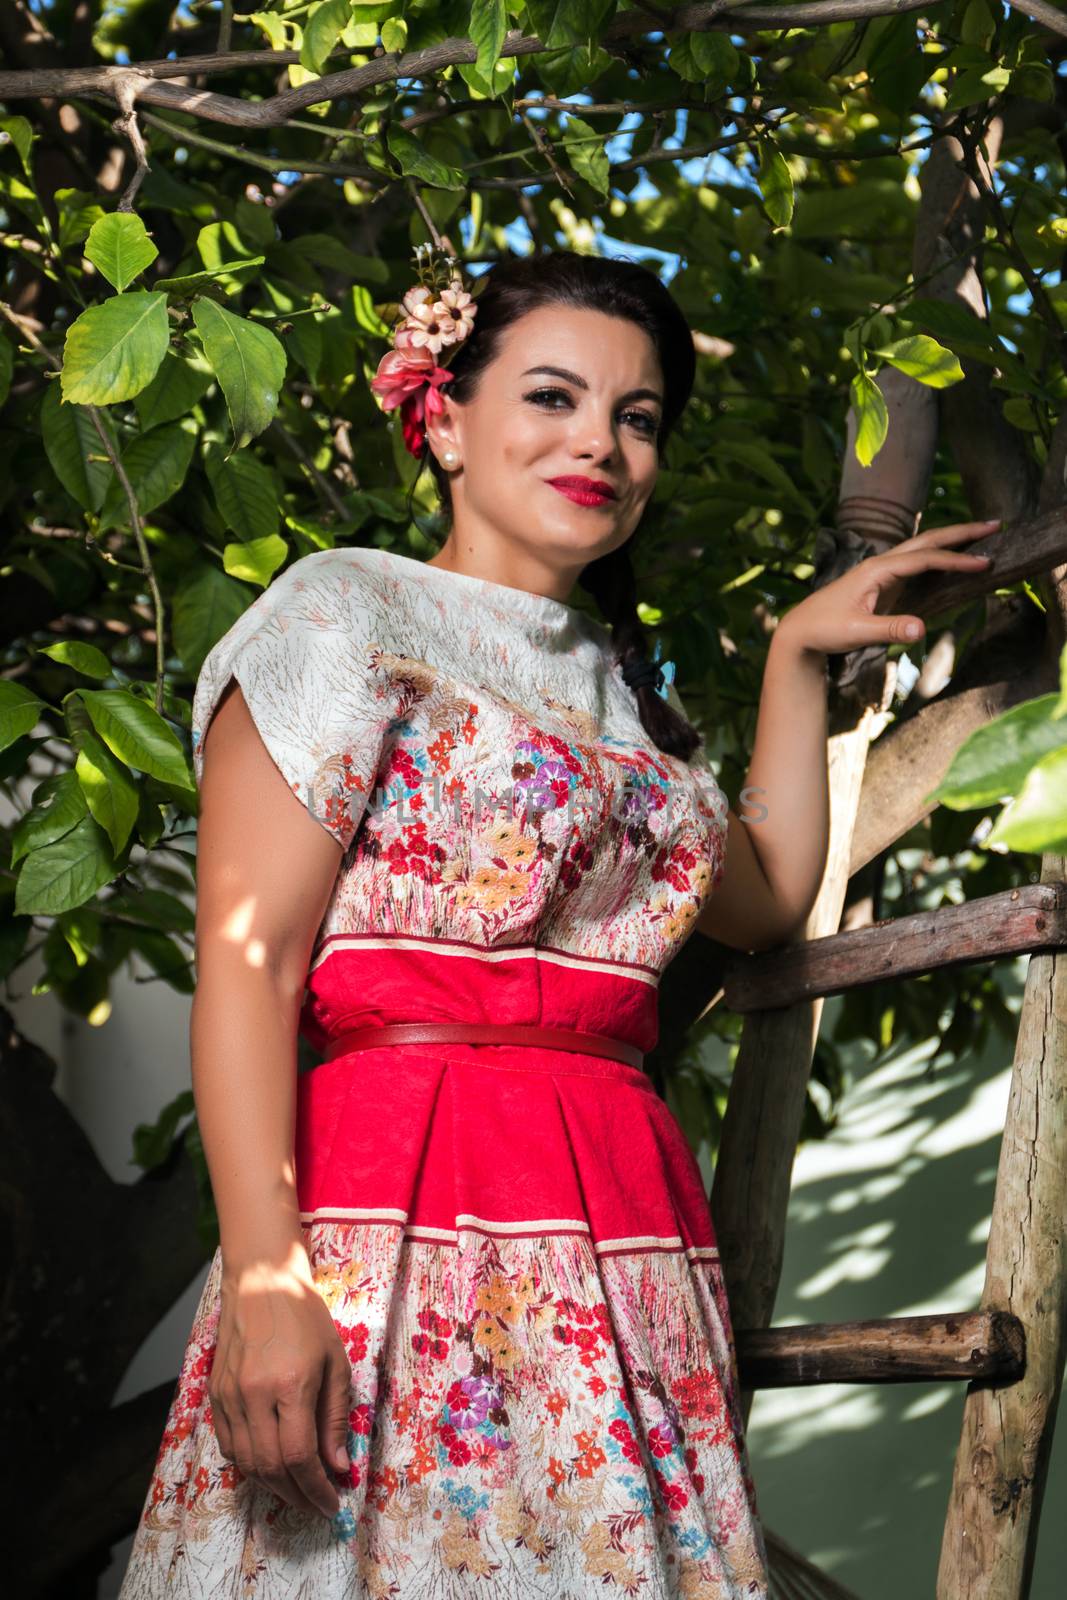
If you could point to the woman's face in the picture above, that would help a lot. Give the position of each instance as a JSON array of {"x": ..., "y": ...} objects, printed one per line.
[{"x": 595, "y": 415}]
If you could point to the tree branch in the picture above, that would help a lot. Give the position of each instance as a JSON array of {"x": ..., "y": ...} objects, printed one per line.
[{"x": 386, "y": 67}]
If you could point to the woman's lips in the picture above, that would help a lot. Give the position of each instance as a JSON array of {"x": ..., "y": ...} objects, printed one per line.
[{"x": 583, "y": 497}]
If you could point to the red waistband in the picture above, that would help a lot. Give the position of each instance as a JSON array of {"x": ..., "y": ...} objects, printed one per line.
[{"x": 590, "y": 1044}]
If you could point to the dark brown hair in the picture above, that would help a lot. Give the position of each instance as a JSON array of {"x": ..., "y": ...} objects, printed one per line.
[{"x": 621, "y": 288}]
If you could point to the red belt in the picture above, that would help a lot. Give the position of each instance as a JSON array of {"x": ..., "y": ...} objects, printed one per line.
[{"x": 590, "y": 1044}]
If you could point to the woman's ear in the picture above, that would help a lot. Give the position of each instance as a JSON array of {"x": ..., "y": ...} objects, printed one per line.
[{"x": 443, "y": 432}]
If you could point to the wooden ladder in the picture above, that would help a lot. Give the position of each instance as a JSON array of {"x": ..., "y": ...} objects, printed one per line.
[{"x": 1010, "y": 1350}]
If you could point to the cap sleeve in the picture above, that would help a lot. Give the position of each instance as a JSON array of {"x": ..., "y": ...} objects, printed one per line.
[{"x": 305, "y": 655}]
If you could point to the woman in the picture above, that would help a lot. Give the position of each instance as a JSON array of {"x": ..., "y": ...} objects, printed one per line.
[{"x": 466, "y": 1331}]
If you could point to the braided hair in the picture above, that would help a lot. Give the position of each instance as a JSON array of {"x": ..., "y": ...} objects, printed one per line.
[{"x": 517, "y": 285}]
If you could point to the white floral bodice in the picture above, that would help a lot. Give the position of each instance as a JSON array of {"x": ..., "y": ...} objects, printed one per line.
[{"x": 476, "y": 754}]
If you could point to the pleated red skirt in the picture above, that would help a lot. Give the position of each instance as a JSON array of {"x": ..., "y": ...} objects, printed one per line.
[{"x": 516, "y": 1249}]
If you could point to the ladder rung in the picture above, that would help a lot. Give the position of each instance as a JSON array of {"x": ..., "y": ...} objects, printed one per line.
[
  {"x": 1030, "y": 918},
  {"x": 964, "y": 1345}
]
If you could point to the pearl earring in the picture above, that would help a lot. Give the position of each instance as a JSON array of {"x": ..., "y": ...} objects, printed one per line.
[{"x": 450, "y": 456}]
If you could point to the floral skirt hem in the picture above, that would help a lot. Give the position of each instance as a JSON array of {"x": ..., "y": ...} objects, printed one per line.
[{"x": 527, "y": 1417}]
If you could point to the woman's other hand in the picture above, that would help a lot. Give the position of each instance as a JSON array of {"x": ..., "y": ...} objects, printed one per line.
[
  {"x": 280, "y": 1383},
  {"x": 854, "y": 610}
]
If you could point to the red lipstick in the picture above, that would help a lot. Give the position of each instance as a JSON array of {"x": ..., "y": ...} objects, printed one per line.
[{"x": 584, "y": 491}]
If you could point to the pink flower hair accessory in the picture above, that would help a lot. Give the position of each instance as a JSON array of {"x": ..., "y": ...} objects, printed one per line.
[{"x": 437, "y": 313}]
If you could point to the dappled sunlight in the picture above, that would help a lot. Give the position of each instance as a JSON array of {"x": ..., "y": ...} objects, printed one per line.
[
  {"x": 803, "y": 1416},
  {"x": 237, "y": 929}
]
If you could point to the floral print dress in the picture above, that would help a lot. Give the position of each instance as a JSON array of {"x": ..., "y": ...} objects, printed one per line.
[{"x": 514, "y": 1242}]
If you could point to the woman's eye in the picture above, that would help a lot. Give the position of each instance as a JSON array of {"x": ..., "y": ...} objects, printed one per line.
[
  {"x": 540, "y": 395},
  {"x": 645, "y": 423}
]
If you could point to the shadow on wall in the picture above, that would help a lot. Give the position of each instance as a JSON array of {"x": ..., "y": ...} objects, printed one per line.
[{"x": 889, "y": 1217}]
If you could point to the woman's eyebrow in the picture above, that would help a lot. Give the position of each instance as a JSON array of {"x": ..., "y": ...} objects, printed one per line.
[{"x": 580, "y": 383}]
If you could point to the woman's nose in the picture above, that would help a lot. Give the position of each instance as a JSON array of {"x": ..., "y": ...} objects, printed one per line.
[{"x": 596, "y": 439}]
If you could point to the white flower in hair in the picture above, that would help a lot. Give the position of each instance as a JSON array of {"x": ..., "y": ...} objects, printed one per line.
[{"x": 455, "y": 312}]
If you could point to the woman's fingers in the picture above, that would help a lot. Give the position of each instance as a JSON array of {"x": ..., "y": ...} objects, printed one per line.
[
  {"x": 264, "y": 1410},
  {"x": 886, "y": 581},
  {"x": 932, "y": 556},
  {"x": 880, "y": 628},
  {"x": 298, "y": 1445},
  {"x": 221, "y": 1424},
  {"x": 949, "y": 533},
  {"x": 243, "y": 1453},
  {"x": 335, "y": 1403}
]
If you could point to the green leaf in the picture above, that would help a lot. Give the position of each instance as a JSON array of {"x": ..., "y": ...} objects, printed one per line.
[
  {"x": 156, "y": 909},
  {"x": 112, "y": 350},
  {"x": 978, "y": 25},
  {"x": 152, "y": 1142},
  {"x": 1034, "y": 81},
  {"x": 205, "y": 607},
  {"x": 322, "y": 31},
  {"x": 488, "y": 29},
  {"x": 586, "y": 153},
  {"x": 138, "y": 735},
  {"x": 156, "y": 464},
  {"x": 1036, "y": 821},
  {"x": 119, "y": 247},
  {"x": 80, "y": 657},
  {"x": 20, "y": 133},
  {"x": 993, "y": 762},
  {"x": 716, "y": 59},
  {"x": 180, "y": 382},
  {"x": 20, "y": 711},
  {"x": 77, "y": 209},
  {"x": 191, "y": 283},
  {"x": 110, "y": 792},
  {"x": 365, "y": 314},
  {"x": 567, "y": 71},
  {"x": 923, "y": 358},
  {"x": 969, "y": 336},
  {"x": 775, "y": 183},
  {"x": 394, "y": 35},
  {"x": 166, "y": 958},
  {"x": 255, "y": 222},
  {"x": 324, "y": 250},
  {"x": 245, "y": 493},
  {"x": 304, "y": 338},
  {"x": 218, "y": 242},
  {"x": 416, "y": 162},
  {"x": 69, "y": 440},
  {"x": 758, "y": 458},
  {"x": 249, "y": 363},
  {"x": 58, "y": 806},
  {"x": 563, "y": 22},
  {"x": 60, "y": 876},
  {"x": 800, "y": 88},
  {"x": 680, "y": 57},
  {"x": 975, "y": 86},
  {"x": 872, "y": 418},
  {"x": 257, "y": 561},
  {"x": 1060, "y": 708}
]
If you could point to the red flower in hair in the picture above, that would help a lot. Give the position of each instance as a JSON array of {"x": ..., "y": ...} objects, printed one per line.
[{"x": 408, "y": 376}]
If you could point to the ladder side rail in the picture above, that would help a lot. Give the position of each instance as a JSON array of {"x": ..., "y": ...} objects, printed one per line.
[{"x": 991, "y": 1528}]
